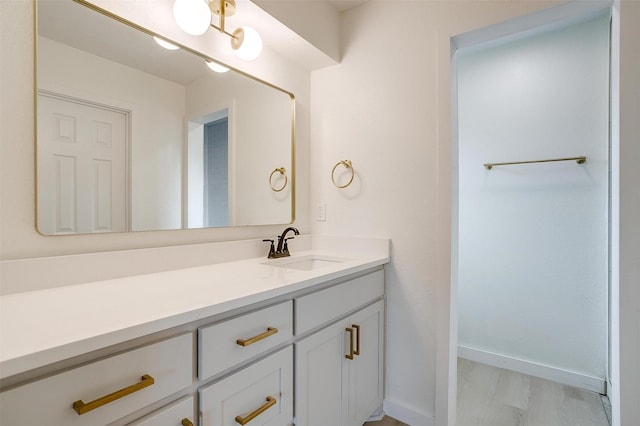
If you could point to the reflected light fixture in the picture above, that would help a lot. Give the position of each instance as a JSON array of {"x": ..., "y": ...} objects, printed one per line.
[
  {"x": 165, "y": 44},
  {"x": 194, "y": 17},
  {"x": 214, "y": 66}
]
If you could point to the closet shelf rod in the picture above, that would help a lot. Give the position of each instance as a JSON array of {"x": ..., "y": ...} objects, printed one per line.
[{"x": 579, "y": 160}]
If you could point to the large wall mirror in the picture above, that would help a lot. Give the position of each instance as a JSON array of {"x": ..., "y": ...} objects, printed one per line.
[{"x": 132, "y": 136}]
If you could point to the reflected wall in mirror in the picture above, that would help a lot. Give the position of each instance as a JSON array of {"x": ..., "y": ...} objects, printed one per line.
[{"x": 135, "y": 137}]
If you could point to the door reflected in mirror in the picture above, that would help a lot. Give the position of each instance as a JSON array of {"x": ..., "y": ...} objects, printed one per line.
[{"x": 135, "y": 137}]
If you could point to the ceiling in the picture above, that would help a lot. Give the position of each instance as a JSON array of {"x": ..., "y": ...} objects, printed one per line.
[
  {"x": 59, "y": 20},
  {"x": 79, "y": 27},
  {"x": 343, "y": 5}
]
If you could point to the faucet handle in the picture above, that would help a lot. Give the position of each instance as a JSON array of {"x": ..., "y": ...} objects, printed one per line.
[
  {"x": 272, "y": 250},
  {"x": 285, "y": 248}
]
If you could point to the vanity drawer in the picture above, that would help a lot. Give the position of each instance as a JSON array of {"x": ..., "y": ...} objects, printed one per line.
[
  {"x": 326, "y": 305},
  {"x": 229, "y": 343},
  {"x": 180, "y": 413},
  {"x": 140, "y": 377},
  {"x": 261, "y": 394}
]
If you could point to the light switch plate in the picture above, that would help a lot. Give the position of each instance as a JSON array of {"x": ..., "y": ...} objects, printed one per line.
[{"x": 321, "y": 213}]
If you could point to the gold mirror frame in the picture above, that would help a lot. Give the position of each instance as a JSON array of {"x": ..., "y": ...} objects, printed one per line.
[{"x": 143, "y": 30}]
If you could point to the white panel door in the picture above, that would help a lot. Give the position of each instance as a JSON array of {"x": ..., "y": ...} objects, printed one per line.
[{"x": 82, "y": 167}]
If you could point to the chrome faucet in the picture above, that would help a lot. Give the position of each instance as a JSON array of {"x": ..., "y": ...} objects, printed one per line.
[{"x": 283, "y": 248}]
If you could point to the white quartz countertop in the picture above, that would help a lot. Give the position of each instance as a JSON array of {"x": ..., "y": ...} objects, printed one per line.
[{"x": 41, "y": 327}]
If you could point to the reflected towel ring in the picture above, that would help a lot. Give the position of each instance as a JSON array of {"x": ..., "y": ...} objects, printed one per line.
[
  {"x": 283, "y": 172},
  {"x": 348, "y": 165}
]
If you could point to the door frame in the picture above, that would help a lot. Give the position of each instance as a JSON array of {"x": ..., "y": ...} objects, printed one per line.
[{"x": 447, "y": 330}]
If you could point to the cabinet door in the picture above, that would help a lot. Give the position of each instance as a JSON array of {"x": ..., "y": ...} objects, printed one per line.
[
  {"x": 321, "y": 375},
  {"x": 366, "y": 385}
]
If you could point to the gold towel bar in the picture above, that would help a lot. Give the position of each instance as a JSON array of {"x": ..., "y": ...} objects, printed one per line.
[{"x": 579, "y": 160}]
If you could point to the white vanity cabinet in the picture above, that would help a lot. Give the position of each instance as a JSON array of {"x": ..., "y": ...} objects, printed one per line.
[
  {"x": 311, "y": 355},
  {"x": 339, "y": 368}
]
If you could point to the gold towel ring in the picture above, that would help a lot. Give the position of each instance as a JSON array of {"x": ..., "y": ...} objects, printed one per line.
[
  {"x": 348, "y": 165},
  {"x": 283, "y": 172}
]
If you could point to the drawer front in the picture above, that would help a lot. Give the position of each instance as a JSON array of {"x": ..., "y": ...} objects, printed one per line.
[
  {"x": 180, "y": 413},
  {"x": 326, "y": 305},
  {"x": 166, "y": 366},
  {"x": 261, "y": 394},
  {"x": 229, "y": 343}
]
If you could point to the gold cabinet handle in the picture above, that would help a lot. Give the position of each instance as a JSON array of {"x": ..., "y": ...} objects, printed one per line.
[
  {"x": 271, "y": 401},
  {"x": 186, "y": 422},
  {"x": 351, "y": 351},
  {"x": 357, "y": 327},
  {"x": 270, "y": 331},
  {"x": 82, "y": 408}
]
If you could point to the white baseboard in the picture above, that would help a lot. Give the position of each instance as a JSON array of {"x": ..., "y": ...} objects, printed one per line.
[
  {"x": 406, "y": 414},
  {"x": 377, "y": 415},
  {"x": 571, "y": 378}
]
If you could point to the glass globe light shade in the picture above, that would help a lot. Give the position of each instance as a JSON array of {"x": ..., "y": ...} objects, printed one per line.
[
  {"x": 214, "y": 66},
  {"x": 165, "y": 44},
  {"x": 247, "y": 43},
  {"x": 192, "y": 16}
]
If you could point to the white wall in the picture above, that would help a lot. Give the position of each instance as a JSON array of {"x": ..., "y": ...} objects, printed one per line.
[
  {"x": 386, "y": 107},
  {"x": 316, "y": 21},
  {"x": 533, "y": 239},
  {"x": 18, "y": 238}
]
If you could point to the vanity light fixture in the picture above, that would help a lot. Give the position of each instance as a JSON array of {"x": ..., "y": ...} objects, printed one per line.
[
  {"x": 165, "y": 44},
  {"x": 214, "y": 66},
  {"x": 194, "y": 17}
]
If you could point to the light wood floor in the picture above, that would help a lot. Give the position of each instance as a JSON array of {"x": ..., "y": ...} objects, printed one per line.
[
  {"x": 489, "y": 396},
  {"x": 386, "y": 421}
]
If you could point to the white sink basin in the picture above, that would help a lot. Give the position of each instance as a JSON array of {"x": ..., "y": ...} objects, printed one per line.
[{"x": 305, "y": 263}]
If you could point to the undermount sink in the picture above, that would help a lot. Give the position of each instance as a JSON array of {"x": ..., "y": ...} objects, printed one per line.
[{"x": 305, "y": 263}]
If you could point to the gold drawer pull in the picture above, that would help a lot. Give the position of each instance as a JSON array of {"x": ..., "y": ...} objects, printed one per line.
[
  {"x": 270, "y": 331},
  {"x": 271, "y": 401},
  {"x": 351, "y": 351},
  {"x": 186, "y": 422},
  {"x": 357, "y": 327},
  {"x": 82, "y": 408}
]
